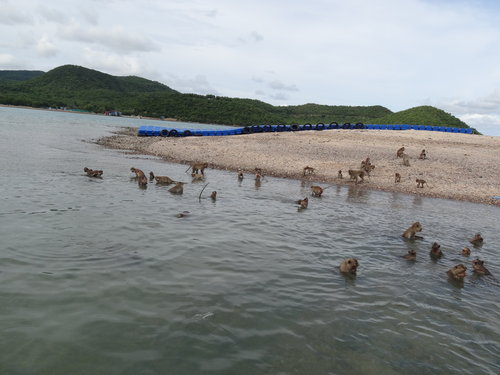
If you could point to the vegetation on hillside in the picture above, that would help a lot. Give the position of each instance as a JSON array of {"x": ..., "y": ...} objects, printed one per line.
[
  {"x": 18, "y": 75},
  {"x": 73, "y": 86}
]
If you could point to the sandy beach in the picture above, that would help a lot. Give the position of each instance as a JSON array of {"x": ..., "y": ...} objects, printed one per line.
[{"x": 458, "y": 166}]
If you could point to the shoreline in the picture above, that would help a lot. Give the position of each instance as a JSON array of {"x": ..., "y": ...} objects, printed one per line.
[{"x": 459, "y": 166}]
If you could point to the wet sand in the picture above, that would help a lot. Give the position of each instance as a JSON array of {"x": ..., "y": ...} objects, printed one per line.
[{"x": 458, "y": 166}]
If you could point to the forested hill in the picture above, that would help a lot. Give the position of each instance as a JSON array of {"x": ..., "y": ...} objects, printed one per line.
[{"x": 77, "y": 87}]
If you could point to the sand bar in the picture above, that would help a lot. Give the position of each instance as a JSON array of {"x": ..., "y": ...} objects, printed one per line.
[{"x": 458, "y": 166}]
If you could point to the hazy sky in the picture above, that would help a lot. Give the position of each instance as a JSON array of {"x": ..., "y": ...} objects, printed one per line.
[{"x": 395, "y": 53}]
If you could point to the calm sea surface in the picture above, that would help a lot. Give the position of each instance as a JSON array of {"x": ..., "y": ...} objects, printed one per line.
[{"x": 98, "y": 276}]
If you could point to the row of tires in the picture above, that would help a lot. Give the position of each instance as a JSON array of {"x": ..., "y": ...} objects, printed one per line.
[{"x": 297, "y": 127}]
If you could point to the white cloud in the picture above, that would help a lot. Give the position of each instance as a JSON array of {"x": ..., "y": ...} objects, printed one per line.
[
  {"x": 196, "y": 85},
  {"x": 12, "y": 15},
  {"x": 45, "y": 48}
]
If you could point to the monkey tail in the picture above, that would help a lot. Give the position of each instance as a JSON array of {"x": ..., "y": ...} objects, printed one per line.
[{"x": 199, "y": 197}]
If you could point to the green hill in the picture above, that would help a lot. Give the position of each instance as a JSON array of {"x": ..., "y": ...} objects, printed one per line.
[{"x": 87, "y": 89}]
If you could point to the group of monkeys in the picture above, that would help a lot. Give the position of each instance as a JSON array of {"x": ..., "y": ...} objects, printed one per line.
[
  {"x": 349, "y": 265},
  {"x": 456, "y": 273}
]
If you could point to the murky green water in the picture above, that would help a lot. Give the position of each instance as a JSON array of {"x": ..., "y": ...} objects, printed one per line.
[{"x": 101, "y": 277}]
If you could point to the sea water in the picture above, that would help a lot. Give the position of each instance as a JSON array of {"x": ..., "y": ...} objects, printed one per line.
[{"x": 99, "y": 276}]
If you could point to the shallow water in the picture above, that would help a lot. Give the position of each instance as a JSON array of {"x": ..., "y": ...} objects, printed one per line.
[{"x": 99, "y": 276}]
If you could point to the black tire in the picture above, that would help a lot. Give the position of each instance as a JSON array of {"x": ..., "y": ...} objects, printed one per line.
[
  {"x": 164, "y": 132},
  {"x": 281, "y": 127},
  {"x": 187, "y": 133},
  {"x": 359, "y": 125},
  {"x": 294, "y": 127},
  {"x": 256, "y": 129},
  {"x": 347, "y": 125},
  {"x": 307, "y": 126},
  {"x": 173, "y": 133},
  {"x": 320, "y": 126},
  {"x": 267, "y": 128},
  {"x": 247, "y": 130},
  {"x": 333, "y": 125}
]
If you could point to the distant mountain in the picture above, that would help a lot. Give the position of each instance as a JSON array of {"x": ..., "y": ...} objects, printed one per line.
[
  {"x": 82, "y": 88},
  {"x": 18, "y": 75}
]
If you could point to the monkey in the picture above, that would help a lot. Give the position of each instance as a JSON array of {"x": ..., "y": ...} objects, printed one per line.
[
  {"x": 303, "y": 203},
  {"x": 477, "y": 240},
  {"x": 397, "y": 178},
  {"x": 436, "y": 252},
  {"x": 258, "y": 170},
  {"x": 197, "y": 177},
  {"x": 479, "y": 268},
  {"x": 240, "y": 175},
  {"x": 151, "y": 176},
  {"x": 465, "y": 252},
  {"x": 412, "y": 230},
  {"x": 339, "y": 174},
  {"x": 213, "y": 196},
  {"x": 457, "y": 272},
  {"x": 400, "y": 152},
  {"x": 406, "y": 160},
  {"x": 142, "y": 180},
  {"x": 423, "y": 155},
  {"x": 308, "y": 170},
  {"x": 412, "y": 255},
  {"x": 258, "y": 177},
  {"x": 164, "y": 180},
  {"x": 349, "y": 265},
  {"x": 421, "y": 182},
  {"x": 316, "y": 191},
  {"x": 178, "y": 188},
  {"x": 93, "y": 172},
  {"x": 355, "y": 174},
  {"x": 198, "y": 167}
]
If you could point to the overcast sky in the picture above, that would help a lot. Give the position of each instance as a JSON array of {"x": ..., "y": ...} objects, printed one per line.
[{"x": 395, "y": 53}]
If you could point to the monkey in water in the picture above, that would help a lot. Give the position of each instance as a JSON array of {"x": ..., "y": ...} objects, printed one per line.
[
  {"x": 303, "y": 203},
  {"x": 178, "y": 188},
  {"x": 400, "y": 152},
  {"x": 164, "y": 180},
  {"x": 477, "y": 240},
  {"x": 465, "y": 252},
  {"x": 457, "y": 272},
  {"x": 151, "y": 176},
  {"x": 198, "y": 167},
  {"x": 316, "y": 191},
  {"x": 479, "y": 268},
  {"x": 421, "y": 182},
  {"x": 197, "y": 177},
  {"x": 436, "y": 252},
  {"x": 213, "y": 196},
  {"x": 93, "y": 172},
  {"x": 397, "y": 178},
  {"x": 240, "y": 175},
  {"x": 142, "y": 180},
  {"x": 349, "y": 265},
  {"x": 412, "y": 230},
  {"x": 412, "y": 255}
]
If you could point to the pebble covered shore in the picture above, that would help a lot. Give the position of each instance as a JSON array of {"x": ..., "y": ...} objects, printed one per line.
[{"x": 458, "y": 166}]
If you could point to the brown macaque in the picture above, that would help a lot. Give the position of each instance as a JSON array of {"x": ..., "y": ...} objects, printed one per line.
[
  {"x": 397, "y": 178},
  {"x": 93, "y": 172},
  {"x": 164, "y": 180},
  {"x": 240, "y": 175},
  {"x": 142, "y": 180},
  {"x": 423, "y": 155},
  {"x": 197, "y": 177},
  {"x": 436, "y": 251},
  {"x": 339, "y": 174},
  {"x": 421, "y": 182},
  {"x": 354, "y": 174},
  {"x": 479, "y": 268},
  {"x": 151, "y": 176},
  {"x": 178, "y": 188},
  {"x": 457, "y": 272},
  {"x": 349, "y": 265},
  {"x": 316, "y": 191},
  {"x": 258, "y": 170},
  {"x": 258, "y": 177},
  {"x": 412, "y": 255},
  {"x": 303, "y": 203},
  {"x": 406, "y": 160},
  {"x": 213, "y": 196},
  {"x": 400, "y": 152},
  {"x": 465, "y": 252},
  {"x": 412, "y": 230},
  {"x": 199, "y": 167},
  {"x": 308, "y": 170},
  {"x": 477, "y": 240}
]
